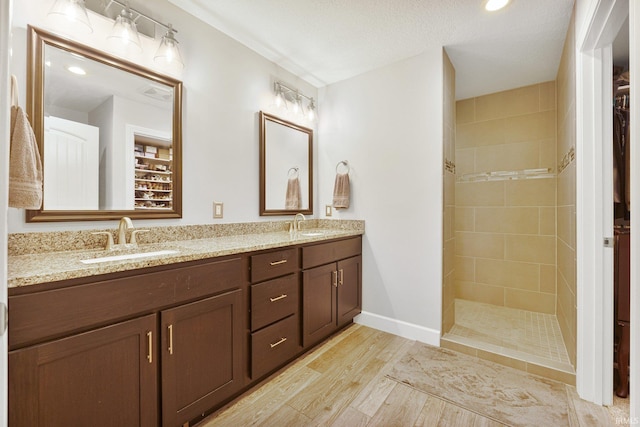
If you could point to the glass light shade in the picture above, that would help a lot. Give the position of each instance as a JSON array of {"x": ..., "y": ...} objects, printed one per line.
[
  {"x": 279, "y": 100},
  {"x": 493, "y": 5},
  {"x": 70, "y": 12},
  {"x": 125, "y": 32},
  {"x": 311, "y": 111},
  {"x": 168, "y": 53}
]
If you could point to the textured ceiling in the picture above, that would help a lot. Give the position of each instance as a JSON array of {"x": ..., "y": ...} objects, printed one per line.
[{"x": 326, "y": 41}]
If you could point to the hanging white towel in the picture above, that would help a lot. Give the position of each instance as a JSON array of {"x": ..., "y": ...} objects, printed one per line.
[
  {"x": 293, "y": 199},
  {"x": 341, "y": 191},
  {"x": 25, "y": 166}
]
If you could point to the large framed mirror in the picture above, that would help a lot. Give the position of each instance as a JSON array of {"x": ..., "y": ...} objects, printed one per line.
[
  {"x": 286, "y": 167},
  {"x": 109, "y": 133}
]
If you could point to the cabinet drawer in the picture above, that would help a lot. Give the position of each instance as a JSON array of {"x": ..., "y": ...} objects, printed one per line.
[
  {"x": 273, "y": 300},
  {"x": 329, "y": 252},
  {"x": 274, "y": 345},
  {"x": 273, "y": 264}
]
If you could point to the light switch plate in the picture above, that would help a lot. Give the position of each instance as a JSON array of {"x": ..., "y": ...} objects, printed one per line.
[
  {"x": 328, "y": 210},
  {"x": 218, "y": 209}
]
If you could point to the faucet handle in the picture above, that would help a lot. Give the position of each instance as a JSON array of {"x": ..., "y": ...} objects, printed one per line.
[
  {"x": 133, "y": 240},
  {"x": 109, "y": 244}
]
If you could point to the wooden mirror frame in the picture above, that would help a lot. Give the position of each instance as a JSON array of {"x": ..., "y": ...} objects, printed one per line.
[
  {"x": 264, "y": 117},
  {"x": 36, "y": 41}
]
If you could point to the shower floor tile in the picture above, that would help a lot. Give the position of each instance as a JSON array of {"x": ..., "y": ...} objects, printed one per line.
[{"x": 526, "y": 335}]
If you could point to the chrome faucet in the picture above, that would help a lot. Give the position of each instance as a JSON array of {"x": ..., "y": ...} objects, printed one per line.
[
  {"x": 296, "y": 224},
  {"x": 125, "y": 224}
]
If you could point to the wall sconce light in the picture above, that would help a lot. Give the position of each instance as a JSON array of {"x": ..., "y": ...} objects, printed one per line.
[
  {"x": 291, "y": 101},
  {"x": 125, "y": 29},
  {"x": 124, "y": 37},
  {"x": 71, "y": 12},
  {"x": 125, "y": 32}
]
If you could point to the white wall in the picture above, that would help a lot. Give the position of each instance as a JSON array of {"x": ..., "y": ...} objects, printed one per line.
[
  {"x": 387, "y": 124},
  {"x": 225, "y": 85}
]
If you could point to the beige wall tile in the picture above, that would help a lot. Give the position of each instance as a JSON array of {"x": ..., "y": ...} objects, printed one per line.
[
  {"x": 530, "y": 127},
  {"x": 465, "y": 111},
  {"x": 567, "y": 186},
  {"x": 465, "y": 219},
  {"x": 548, "y": 278},
  {"x": 465, "y": 269},
  {"x": 547, "y": 154},
  {"x": 449, "y": 189},
  {"x": 489, "y": 294},
  {"x": 509, "y": 274},
  {"x": 566, "y": 263},
  {"x": 508, "y": 103},
  {"x": 547, "y": 95},
  {"x": 448, "y": 256},
  {"x": 488, "y": 193},
  {"x": 516, "y": 156},
  {"x": 547, "y": 221},
  {"x": 566, "y": 217},
  {"x": 507, "y": 220},
  {"x": 479, "y": 134},
  {"x": 531, "y": 192},
  {"x": 536, "y": 249},
  {"x": 484, "y": 245},
  {"x": 465, "y": 161},
  {"x": 532, "y": 301}
]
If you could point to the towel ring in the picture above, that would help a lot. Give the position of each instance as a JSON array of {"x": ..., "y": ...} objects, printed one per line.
[
  {"x": 296, "y": 171},
  {"x": 346, "y": 165}
]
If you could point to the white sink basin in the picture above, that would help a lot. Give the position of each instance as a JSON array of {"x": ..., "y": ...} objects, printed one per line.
[
  {"x": 127, "y": 256},
  {"x": 312, "y": 233}
]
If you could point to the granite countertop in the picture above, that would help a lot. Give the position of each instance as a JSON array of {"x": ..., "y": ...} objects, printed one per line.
[{"x": 37, "y": 268}]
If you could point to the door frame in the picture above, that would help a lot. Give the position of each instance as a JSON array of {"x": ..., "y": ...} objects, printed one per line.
[{"x": 594, "y": 201}]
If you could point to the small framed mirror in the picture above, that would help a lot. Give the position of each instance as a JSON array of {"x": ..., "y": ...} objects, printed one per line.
[
  {"x": 109, "y": 133},
  {"x": 286, "y": 167}
]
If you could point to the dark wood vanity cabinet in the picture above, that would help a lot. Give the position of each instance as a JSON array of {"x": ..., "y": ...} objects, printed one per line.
[
  {"x": 201, "y": 356},
  {"x": 105, "y": 377},
  {"x": 274, "y": 310},
  {"x": 73, "y": 361},
  {"x": 165, "y": 345},
  {"x": 331, "y": 287}
]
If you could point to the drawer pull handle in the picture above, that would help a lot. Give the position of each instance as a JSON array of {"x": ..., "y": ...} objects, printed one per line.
[
  {"x": 170, "y": 330},
  {"x": 283, "y": 296},
  {"x": 282, "y": 261},
  {"x": 150, "y": 343},
  {"x": 335, "y": 278},
  {"x": 275, "y": 344},
  {"x": 341, "y": 282}
]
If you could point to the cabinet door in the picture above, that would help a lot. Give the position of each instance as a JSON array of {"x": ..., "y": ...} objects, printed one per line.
[
  {"x": 319, "y": 303},
  {"x": 201, "y": 356},
  {"x": 105, "y": 377},
  {"x": 349, "y": 289}
]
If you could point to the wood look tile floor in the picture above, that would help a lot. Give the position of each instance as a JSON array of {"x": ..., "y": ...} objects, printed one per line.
[{"x": 342, "y": 383}]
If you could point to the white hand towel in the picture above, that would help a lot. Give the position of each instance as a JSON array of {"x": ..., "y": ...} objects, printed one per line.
[
  {"x": 341, "y": 191},
  {"x": 293, "y": 199},
  {"x": 25, "y": 166}
]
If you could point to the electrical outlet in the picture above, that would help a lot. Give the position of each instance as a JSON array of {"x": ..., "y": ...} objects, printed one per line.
[
  {"x": 328, "y": 210},
  {"x": 217, "y": 209}
]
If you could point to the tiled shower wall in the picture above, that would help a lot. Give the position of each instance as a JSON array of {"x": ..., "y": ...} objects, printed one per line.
[
  {"x": 505, "y": 231},
  {"x": 566, "y": 239},
  {"x": 449, "y": 132}
]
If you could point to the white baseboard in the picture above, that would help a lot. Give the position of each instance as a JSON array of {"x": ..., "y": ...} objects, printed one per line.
[{"x": 399, "y": 327}]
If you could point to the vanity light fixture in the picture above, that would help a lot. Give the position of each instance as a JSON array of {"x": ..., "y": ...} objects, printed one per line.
[
  {"x": 168, "y": 52},
  {"x": 494, "y": 5},
  {"x": 125, "y": 31},
  {"x": 72, "y": 12},
  {"x": 291, "y": 100}
]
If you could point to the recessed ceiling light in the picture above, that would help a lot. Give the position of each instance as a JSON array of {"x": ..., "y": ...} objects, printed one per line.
[
  {"x": 493, "y": 5},
  {"x": 76, "y": 70}
]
